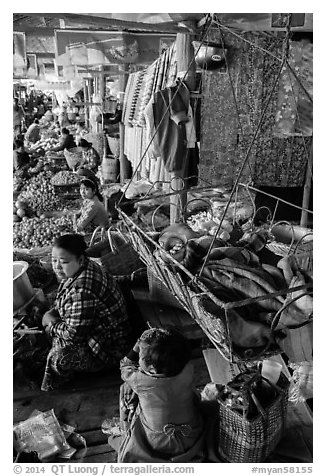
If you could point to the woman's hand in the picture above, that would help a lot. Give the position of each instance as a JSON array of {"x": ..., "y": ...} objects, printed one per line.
[
  {"x": 136, "y": 347},
  {"x": 50, "y": 317}
]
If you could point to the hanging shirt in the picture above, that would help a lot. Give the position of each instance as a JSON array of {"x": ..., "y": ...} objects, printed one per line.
[{"x": 170, "y": 129}]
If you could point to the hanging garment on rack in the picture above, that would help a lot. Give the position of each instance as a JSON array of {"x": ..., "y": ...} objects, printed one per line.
[
  {"x": 170, "y": 108},
  {"x": 138, "y": 94},
  {"x": 127, "y": 99},
  {"x": 148, "y": 83},
  {"x": 153, "y": 150}
]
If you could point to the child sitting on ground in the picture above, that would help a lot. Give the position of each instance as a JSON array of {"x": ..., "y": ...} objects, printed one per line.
[{"x": 158, "y": 406}]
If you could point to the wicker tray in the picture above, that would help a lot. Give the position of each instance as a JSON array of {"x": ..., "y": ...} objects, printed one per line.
[{"x": 192, "y": 294}]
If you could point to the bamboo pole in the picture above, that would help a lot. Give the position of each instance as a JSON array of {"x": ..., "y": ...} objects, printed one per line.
[
  {"x": 306, "y": 191},
  {"x": 89, "y": 93},
  {"x": 124, "y": 169},
  {"x": 101, "y": 90},
  {"x": 86, "y": 108},
  {"x": 185, "y": 54}
]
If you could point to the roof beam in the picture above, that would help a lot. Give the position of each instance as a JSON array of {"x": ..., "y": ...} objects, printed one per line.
[
  {"x": 35, "y": 31},
  {"x": 109, "y": 22}
]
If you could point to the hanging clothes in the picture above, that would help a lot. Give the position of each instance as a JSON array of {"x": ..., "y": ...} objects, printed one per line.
[{"x": 170, "y": 108}]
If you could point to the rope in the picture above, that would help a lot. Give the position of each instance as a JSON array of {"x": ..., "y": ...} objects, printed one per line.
[{"x": 165, "y": 113}]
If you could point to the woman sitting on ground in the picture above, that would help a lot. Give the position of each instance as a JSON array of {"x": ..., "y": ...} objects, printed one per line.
[
  {"x": 21, "y": 159},
  {"x": 33, "y": 132},
  {"x": 91, "y": 157},
  {"x": 66, "y": 141},
  {"x": 92, "y": 213},
  {"x": 88, "y": 326}
]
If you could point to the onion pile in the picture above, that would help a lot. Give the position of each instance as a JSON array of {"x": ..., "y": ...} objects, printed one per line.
[
  {"x": 208, "y": 223},
  {"x": 40, "y": 231}
]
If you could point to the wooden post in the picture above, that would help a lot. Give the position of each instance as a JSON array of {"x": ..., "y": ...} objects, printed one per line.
[
  {"x": 86, "y": 109},
  {"x": 101, "y": 91},
  {"x": 306, "y": 191},
  {"x": 122, "y": 158},
  {"x": 89, "y": 93},
  {"x": 185, "y": 55},
  {"x": 186, "y": 66}
]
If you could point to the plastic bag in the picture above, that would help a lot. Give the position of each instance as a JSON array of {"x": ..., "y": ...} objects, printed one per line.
[{"x": 41, "y": 433}]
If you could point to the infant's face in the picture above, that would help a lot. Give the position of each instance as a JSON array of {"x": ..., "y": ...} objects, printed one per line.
[{"x": 142, "y": 352}]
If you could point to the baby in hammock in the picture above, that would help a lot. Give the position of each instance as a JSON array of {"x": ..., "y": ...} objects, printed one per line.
[{"x": 158, "y": 405}]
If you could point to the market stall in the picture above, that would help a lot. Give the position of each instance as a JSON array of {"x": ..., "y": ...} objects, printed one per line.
[{"x": 188, "y": 141}]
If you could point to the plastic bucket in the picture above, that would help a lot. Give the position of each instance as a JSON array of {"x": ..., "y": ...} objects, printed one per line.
[{"x": 23, "y": 290}]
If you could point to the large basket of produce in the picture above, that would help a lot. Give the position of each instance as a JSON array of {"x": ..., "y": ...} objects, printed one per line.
[
  {"x": 66, "y": 183},
  {"x": 222, "y": 283},
  {"x": 74, "y": 157},
  {"x": 251, "y": 416},
  {"x": 70, "y": 191},
  {"x": 46, "y": 143},
  {"x": 98, "y": 141},
  {"x": 58, "y": 160}
]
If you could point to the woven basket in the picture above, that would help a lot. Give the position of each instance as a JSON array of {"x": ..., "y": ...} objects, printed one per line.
[
  {"x": 159, "y": 292},
  {"x": 71, "y": 190},
  {"x": 209, "y": 310},
  {"x": 115, "y": 254},
  {"x": 73, "y": 157},
  {"x": 251, "y": 441},
  {"x": 114, "y": 144},
  {"x": 98, "y": 141}
]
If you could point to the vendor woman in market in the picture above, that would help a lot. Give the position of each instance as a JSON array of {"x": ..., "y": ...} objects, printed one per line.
[
  {"x": 88, "y": 325},
  {"x": 91, "y": 157},
  {"x": 21, "y": 159},
  {"x": 66, "y": 141},
  {"x": 92, "y": 213}
]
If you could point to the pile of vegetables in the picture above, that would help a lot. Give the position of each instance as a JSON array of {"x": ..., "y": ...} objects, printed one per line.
[
  {"x": 40, "y": 231},
  {"x": 65, "y": 177},
  {"x": 45, "y": 144},
  {"x": 20, "y": 210},
  {"x": 208, "y": 222},
  {"x": 39, "y": 194}
]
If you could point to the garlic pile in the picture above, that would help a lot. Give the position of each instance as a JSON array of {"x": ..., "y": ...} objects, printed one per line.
[{"x": 209, "y": 221}]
